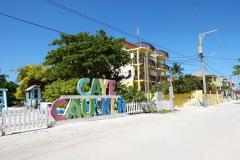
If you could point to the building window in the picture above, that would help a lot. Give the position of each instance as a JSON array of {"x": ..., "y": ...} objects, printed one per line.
[{"x": 135, "y": 72}]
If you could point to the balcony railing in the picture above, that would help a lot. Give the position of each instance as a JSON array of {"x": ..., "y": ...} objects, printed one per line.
[
  {"x": 151, "y": 78},
  {"x": 141, "y": 60},
  {"x": 160, "y": 79},
  {"x": 151, "y": 62},
  {"x": 146, "y": 45},
  {"x": 163, "y": 53},
  {"x": 162, "y": 66}
]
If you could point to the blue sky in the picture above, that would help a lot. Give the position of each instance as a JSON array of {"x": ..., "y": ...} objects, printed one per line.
[{"x": 173, "y": 24}]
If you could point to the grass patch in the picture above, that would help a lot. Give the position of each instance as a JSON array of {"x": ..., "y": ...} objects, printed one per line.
[{"x": 166, "y": 111}]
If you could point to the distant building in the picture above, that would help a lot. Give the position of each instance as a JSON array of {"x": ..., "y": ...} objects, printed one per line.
[
  {"x": 217, "y": 81},
  {"x": 198, "y": 74}
]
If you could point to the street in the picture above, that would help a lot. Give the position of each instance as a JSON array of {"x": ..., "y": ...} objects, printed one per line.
[{"x": 211, "y": 133}]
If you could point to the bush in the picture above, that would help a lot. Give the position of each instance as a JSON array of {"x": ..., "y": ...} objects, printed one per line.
[
  {"x": 60, "y": 87},
  {"x": 130, "y": 93}
]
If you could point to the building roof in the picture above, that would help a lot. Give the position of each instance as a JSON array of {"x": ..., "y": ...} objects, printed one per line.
[
  {"x": 31, "y": 87},
  {"x": 199, "y": 74},
  {"x": 130, "y": 45},
  {"x": 221, "y": 78}
]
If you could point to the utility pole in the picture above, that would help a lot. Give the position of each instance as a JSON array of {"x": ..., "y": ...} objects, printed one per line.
[
  {"x": 148, "y": 96},
  {"x": 201, "y": 36},
  {"x": 231, "y": 86},
  {"x": 145, "y": 76}
]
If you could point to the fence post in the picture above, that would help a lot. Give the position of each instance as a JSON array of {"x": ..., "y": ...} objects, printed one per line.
[
  {"x": 20, "y": 120},
  {"x": 47, "y": 114},
  {"x": 9, "y": 120},
  {"x": 3, "y": 122},
  {"x": 15, "y": 120}
]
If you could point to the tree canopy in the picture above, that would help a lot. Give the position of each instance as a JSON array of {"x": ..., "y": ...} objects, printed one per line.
[
  {"x": 11, "y": 86},
  {"x": 84, "y": 55},
  {"x": 130, "y": 93},
  {"x": 60, "y": 87},
  {"x": 30, "y": 75},
  {"x": 237, "y": 69}
]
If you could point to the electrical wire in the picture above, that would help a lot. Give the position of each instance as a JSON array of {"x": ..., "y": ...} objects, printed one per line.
[
  {"x": 219, "y": 73},
  {"x": 189, "y": 15},
  {"x": 213, "y": 66},
  {"x": 225, "y": 59},
  {"x": 211, "y": 19},
  {"x": 107, "y": 25},
  {"x": 33, "y": 23}
]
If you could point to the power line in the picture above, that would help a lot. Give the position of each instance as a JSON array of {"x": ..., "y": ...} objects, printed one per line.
[
  {"x": 228, "y": 52},
  {"x": 33, "y": 24},
  {"x": 210, "y": 17},
  {"x": 202, "y": 22},
  {"x": 196, "y": 15},
  {"x": 219, "y": 73},
  {"x": 187, "y": 56},
  {"x": 225, "y": 59},
  {"x": 214, "y": 66},
  {"x": 105, "y": 24},
  {"x": 188, "y": 14}
]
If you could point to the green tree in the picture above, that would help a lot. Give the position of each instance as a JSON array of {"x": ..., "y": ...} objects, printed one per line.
[
  {"x": 84, "y": 55},
  {"x": 209, "y": 83},
  {"x": 161, "y": 87},
  {"x": 60, "y": 87},
  {"x": 237, "y": 69},
  {"x": 176, "y": 69},
  {"x": 186, "y": 84},
  {"x": 130, "y": 93},
  {"x": 12, "y": 87},
  {"x": 30, "y": 75}
]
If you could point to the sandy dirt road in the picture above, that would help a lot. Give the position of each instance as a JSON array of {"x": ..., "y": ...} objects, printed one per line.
[{"x": 189, "y": 134}]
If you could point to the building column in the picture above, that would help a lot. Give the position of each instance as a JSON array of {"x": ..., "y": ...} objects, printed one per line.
[{"x": 138, "y": 69}]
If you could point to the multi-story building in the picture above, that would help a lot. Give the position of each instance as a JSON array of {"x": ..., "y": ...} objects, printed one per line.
[{"x": 148, "y": 65}]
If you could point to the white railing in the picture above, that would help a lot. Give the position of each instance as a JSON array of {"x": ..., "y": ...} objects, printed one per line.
[
  {"x": 23, "y": 119},
  {"x": 134, "y": 107},
  {"x": 137, "y": 107}
]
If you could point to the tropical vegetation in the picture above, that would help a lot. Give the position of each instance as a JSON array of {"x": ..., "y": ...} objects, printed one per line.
[{"x": 176, "y": 69}]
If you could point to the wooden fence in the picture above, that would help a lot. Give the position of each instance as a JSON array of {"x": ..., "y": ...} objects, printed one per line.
[{"x": 16, "y": 120}]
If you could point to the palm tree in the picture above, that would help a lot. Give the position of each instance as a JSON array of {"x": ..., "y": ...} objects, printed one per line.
[
  {"x": 209, "y": 83},
  {"x": 176, "y": 69}
]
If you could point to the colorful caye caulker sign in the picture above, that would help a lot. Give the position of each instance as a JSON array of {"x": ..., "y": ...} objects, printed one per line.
[{"x": 87, "y": 103}]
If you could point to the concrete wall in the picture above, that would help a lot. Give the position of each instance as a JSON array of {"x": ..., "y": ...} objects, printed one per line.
[{"x": 194, "y": 99}]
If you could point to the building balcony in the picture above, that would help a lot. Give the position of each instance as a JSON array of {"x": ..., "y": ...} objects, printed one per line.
[
  {"x": 160, "y": 79},
  {"x": 146, "y": 45},
  {"x": 161, "y": 53},
  {"x": 141, "y": 61},
  {"x": 162, "y": 67},
  {"x": 151, "y": 62},
  {"x": 151, "y": 78}
]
